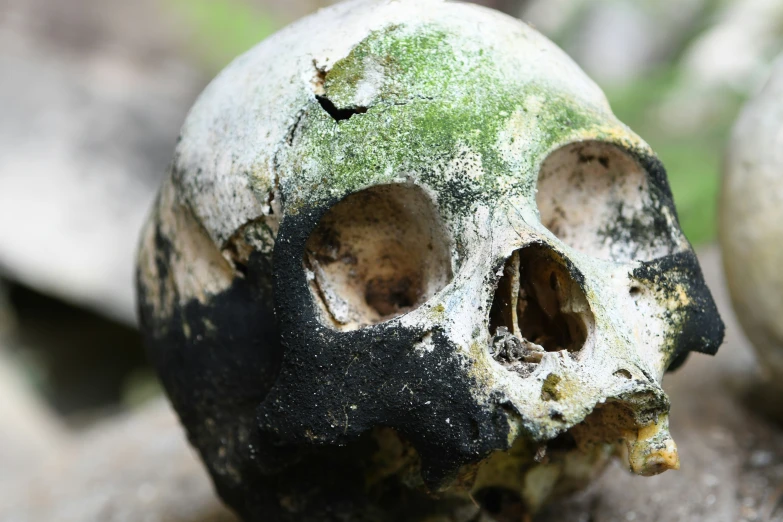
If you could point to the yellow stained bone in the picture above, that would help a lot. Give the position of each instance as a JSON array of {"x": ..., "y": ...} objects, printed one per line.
[{"x": 651, "y": 449}]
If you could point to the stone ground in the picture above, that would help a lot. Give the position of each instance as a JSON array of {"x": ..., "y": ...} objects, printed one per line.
[{"x": 138, "y": 467}]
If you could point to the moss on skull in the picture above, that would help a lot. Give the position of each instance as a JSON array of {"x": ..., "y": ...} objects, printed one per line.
[
  {"x": 550, "y": 390},
  {"x": 431, "y": 104}
]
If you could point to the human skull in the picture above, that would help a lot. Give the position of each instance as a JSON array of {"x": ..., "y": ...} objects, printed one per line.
[
  {"x": 407, "y": 264},
  {"x": 751, "y": 222}
]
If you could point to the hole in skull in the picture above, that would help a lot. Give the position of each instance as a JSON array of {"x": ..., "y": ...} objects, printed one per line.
[
  {"x": 375, "y": 255},
  {"x": 505, "y": 505},
  {"x": 563, "y": 443},
  {"x": 597, "y": 198},
  {"x": 538, "y": 307},
  {"x": 336, "y": 113}
]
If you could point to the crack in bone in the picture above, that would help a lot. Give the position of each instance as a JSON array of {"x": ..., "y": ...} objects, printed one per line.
[
  {"x": 339, "y": 113},
  {"x": 319, "y": 89}
]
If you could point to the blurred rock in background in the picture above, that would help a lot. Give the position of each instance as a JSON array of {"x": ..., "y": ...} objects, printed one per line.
[
  {"x": 616, "y": 41},
  {"x": 93, "y": 94},
  {"x": 733, "y": 54}
]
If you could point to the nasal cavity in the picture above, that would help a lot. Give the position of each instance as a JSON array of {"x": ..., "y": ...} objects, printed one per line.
[{"x": 538, "y": 307}]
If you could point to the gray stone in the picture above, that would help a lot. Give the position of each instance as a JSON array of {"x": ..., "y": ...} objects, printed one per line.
[
  {"x": 90, "y": 103},
  {"x": 132, "y": 468}
]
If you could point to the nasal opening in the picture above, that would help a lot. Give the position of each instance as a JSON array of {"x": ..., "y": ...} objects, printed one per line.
[{"x": 538, "y": 307}]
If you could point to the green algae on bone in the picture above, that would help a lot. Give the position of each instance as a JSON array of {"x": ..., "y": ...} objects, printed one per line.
[
  {"x": 549, "y": 389},
  {"x": 421, "y": 63},
  {"x": 430, "y": 103}
]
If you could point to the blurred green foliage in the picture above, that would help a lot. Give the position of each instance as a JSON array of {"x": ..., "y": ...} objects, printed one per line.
[
  {"x": 224, "y": 29},
  {"x": 227, "y": 28},
  {"x": 692, "y": 158}
]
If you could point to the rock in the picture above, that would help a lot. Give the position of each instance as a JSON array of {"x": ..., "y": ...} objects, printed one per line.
[
  {"x": 132, "y": 468},
  {"x": 751, "y": 221},
  {"x": 729, "y": 57},
  {"x": 92, "y": 96},
  {"x": 734, "y": 51},
  {"x": 616, "y": 41},
  {"x": 29, "y": 433}
]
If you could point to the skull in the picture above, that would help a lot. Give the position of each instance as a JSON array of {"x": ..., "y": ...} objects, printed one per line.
[
  {"x": 408, "y": 265},
  {"x": 751, "y": 222}
]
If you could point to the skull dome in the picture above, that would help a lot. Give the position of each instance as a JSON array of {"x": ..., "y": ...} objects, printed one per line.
[{"x": 407, "y": 265}]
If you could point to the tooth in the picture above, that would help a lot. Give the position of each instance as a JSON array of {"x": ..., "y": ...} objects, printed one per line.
[{"x": 651, "y": 449}]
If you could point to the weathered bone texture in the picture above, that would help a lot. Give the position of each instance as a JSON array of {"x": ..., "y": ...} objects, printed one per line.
[
  {"x": 751, "y": 221},
  {"x": 408, "y": 266}
]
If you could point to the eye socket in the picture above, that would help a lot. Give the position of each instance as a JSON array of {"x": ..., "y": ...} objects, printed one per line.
[
  {"x": 376, "y": 255},
  {"x": 596, "y": 198},
  {"x": 537, "y": 307}
]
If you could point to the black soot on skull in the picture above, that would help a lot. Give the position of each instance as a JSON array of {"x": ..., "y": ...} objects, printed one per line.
[
  {"x": 598, "y": 199},
  {"x": 538, "y": 307},
  {"x": 376, "y": 255}
]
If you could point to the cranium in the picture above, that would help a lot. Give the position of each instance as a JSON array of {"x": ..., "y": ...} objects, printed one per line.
[{"x": 408, "y": 264}]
